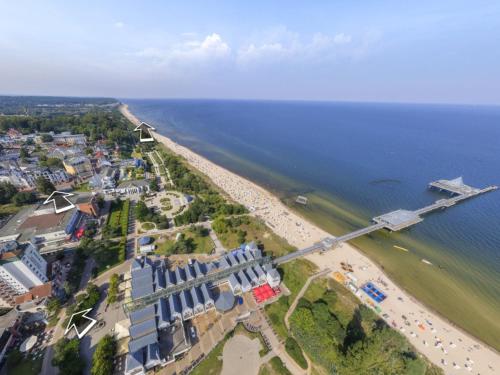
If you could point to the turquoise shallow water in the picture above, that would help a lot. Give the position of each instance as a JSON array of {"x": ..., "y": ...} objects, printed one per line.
[{"x": 356, "y": 161}]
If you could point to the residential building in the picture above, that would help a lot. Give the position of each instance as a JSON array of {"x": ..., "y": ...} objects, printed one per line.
[
  {"x": 20, "y": 271},
  {"x": 78, "y": 166}
]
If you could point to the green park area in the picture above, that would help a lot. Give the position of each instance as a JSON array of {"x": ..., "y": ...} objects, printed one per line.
[
  {"x": 117, "y": 224},
  {"x": 233, "y": 231},
  {"x": 274, "y": 366},
  {"x": 18, "y": 364},
  {"x": 294, "y": 276},
  {"x": 195, "y": 239},
  {"x": 340, "y": 335}
]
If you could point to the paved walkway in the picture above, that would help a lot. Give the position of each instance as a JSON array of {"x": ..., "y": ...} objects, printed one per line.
[{"x": 241, "y": 355}]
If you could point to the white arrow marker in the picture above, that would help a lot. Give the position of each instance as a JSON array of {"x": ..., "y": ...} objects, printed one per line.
[
  {"x": 145, "y": 132},
  {"x": 60, "y": 200},
  {"x": 88, "y": 328}
]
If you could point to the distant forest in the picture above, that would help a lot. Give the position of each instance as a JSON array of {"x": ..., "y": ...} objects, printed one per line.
[{"x": 50, "y": 105}]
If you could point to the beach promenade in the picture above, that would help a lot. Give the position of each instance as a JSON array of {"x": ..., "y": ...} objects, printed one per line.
[{"x": 444, "y": 344}]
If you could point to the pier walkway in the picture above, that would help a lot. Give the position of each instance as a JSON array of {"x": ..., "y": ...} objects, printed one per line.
[{"x": 399, "y": 219}]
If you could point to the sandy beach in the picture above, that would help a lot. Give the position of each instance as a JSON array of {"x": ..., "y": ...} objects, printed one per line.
[{"x": 444, "y": 344}]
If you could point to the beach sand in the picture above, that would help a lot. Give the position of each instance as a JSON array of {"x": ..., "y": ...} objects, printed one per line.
[{"x": 438, "y": 339}]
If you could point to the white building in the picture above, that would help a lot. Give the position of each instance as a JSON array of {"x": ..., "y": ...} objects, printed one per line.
[{"x": 23, "y": 270}]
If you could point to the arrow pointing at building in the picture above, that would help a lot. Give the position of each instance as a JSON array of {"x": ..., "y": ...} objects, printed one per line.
[
  {"x": 60, "y": 200},
  {"x": 145, "y": 132},
  {"x": 78, "y": 316}
]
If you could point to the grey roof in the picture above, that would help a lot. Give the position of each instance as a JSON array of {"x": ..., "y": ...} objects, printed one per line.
[
  {"x": 152, "y": 355},
  {"x": 133, "y": 184},
  {"x": 245, "y": 283},
  {"x": 186, "y": 301},
  {"x": 142, "y": 291},
  {"x": 143, "y": 314},
  {"x": 179, "y": 275},
  {"x": 160, "y": 278},
  {"x": 142, "y": 329},
  {"x": 170, "y": 278},
  {"x": 189, "y": 272},
  {"x": 241, "y": 258},
  {"x": 134, "y": 361},
  {"x": 259, "y": 271},
  {"x": 225, "y": 301},
  {"x": 224, "y": 263},
  {"x": 249, "y": 255},
  {"x": 251, "y": 275},
  {"x": 199, "y": 268},
  {"x": 233, "y": 281},
  {"x": 135, "y": 345},
  {"x": 274, "y": 274},
  {"x": 163, "y": 314},
  {"x": 141, "y": 272},
  {"x": 136, "y": 265},
  {"x": 196, "y": 296},
  {"x": 174, "y": 304},
  {"x": 207, "y": 295},
  {"x": 232, "y": 259}
]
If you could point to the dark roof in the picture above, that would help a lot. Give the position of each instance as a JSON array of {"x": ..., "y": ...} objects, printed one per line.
[
  {"x": 135, "y": 345},
  {"x": 134, "y": 360},
  {"x": 142, "y": 329},
  {"x": 225, "y": 301},
  {"x": 163, "y": 314},
  {"x": 143, "y": 314}
]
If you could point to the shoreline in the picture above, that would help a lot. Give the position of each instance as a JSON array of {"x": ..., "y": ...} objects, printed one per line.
[{"x": 299, "y": 232}]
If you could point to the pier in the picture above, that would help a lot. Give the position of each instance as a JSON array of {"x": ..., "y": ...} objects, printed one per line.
[
  {"x": 399, "y": 219},
  {"x": 392, "y": 221}
]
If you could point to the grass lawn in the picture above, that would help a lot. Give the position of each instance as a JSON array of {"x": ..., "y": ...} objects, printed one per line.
[
  {"x": 294, "y": 274},
  {"x": 9, "y": 209},
  {"x": 27, "y": 366},
  {"x": 162, "y": 247},
  {"x": 204, "y": 245},
  {"x": 82, "y": 187},
  {"x": 294, "y": 350},
  {"x": 275, "y": 366},
  {"x": 257, "y": 231},
  {"x": 108, "y": 257},
  {"x": 147, "y": 226}
]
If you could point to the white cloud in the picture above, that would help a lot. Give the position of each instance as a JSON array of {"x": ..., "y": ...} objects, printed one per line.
[
  {"x": 119, "y": 24},
  {"x": 342, "y": 38}
]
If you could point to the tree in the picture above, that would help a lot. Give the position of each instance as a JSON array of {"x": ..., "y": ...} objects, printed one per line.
[
  {"x": 14, "y": 358},
  {"x": 53, "y": 305},
  {"x": 102, "y": 360},
  {"x": 153, "y": 185},
  {"x": 113, "y": 288},
  {"x": 44, "y": 186},
  {"x": 67, "y": 357},
  {"x": 47, "y": 138},
  {"x": 7, "y": 191},
  {"x": 23, "y": 153},
  {"x": 24, "y": 197}
]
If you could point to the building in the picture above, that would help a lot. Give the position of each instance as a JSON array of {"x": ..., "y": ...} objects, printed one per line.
[
  {"x": 40, "y": 225},
  {"x": 78, "y": 166},
  {"x": 21, "y": 270},
  {"x": 130, "y": 187},
  {"x": 106, "y": 179},
  {"x": 66, "y": 138}
]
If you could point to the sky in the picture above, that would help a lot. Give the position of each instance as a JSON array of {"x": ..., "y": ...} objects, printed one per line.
[{"x": 445, "y": 51}]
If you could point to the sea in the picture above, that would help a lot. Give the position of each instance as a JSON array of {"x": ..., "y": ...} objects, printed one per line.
[{"x": 355, "y": 161}]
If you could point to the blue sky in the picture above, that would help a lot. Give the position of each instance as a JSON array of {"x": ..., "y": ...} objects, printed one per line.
[{"x": 428, "y": 51}]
